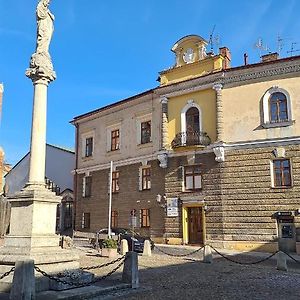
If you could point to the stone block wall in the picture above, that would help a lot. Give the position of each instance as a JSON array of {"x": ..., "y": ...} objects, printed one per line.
[
  {"x": 128, "y": 198},
  {"x": 210, "y": 194},
  {"x": 249, "y": 200}
]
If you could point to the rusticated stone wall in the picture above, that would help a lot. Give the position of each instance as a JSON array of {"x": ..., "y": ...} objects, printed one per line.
[
  {"x": 128, "y": 198},
  {"x": 210, "y": 193},
  {"x": 249, "y": 200}
]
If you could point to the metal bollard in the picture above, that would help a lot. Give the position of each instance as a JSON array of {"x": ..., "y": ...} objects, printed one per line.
[
  {"x": 147, "y": 248},
  {"x": 130, "y": 271},
  {"x": 23, "y": 285},
  {"x": 281, "y": 261},
  {"x": 124, "y": 247},
  {"x": 207, "y": 255}
]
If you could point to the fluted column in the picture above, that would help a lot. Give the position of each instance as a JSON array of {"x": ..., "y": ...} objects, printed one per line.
[{"x": 219, "y": 109}]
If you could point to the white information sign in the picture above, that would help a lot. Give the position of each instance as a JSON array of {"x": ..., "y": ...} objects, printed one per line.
[{"x": 172, "y": 207}]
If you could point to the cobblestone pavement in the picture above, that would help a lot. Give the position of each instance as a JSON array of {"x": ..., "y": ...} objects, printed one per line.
[{"x": 166, "y": 277}]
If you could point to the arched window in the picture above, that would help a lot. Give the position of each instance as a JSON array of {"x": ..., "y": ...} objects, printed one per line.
[
  {"x": 278, "y": 108},
  {"x": 192, "y": 120}
]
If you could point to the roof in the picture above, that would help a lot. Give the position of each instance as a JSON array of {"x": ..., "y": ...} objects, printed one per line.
[
  {"x": 53, "y": 146},
  {"x": 132, "y": 98},
  {"x": 123, "y": 101}
]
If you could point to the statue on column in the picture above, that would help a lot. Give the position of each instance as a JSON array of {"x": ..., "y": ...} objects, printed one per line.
[
  {"x": 45, "y": 26},
  {"x": 40, "y": 64}
]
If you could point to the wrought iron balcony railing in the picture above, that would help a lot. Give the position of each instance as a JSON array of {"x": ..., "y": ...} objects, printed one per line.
[{"x": 191, "y": 139}]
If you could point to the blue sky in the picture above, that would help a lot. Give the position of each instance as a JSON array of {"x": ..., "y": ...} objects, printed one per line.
[{"x": 105, "y": 51}]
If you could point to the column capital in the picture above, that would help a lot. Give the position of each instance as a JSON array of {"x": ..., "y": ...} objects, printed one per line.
[
  {"x": 41, "y": 68},
  {"x": 164, "y": 100},
  {"x": 218, "y": 87}
]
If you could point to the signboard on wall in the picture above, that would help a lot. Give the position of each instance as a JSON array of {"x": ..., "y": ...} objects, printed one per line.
[{"x": 172, "y": 207}]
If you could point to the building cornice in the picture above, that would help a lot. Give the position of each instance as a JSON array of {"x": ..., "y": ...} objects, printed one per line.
[{"x": 262, "y": 143}]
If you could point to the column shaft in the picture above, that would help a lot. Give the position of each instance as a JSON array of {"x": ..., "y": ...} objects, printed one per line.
[{"x": 38, "y": 135}]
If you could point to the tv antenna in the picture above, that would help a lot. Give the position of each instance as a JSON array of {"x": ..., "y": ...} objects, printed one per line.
[
  {"x": 293, "y": 50},
  {"x": 211, "y": 39},
  {"x": 280, "y": 44},
  {"x": 260, "y": 46}
]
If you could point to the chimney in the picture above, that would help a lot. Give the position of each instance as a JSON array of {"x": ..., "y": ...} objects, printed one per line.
[
  {"x": 269, "y": 57},
  {"x": 245, "y": 59},
  {"x": 225, "y": 52}
]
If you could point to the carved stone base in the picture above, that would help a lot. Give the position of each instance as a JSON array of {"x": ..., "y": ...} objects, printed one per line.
[{"x": 32, "y": 235}]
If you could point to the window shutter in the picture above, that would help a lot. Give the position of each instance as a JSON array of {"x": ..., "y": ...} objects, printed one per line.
[
  {"x": 83, "y": 186},
  {"x": 140, "y": 223}
]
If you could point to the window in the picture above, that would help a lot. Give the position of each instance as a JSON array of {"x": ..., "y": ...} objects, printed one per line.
[
  {"x": 115, "y": 140},
  {"x": 115, "y": 182},
  {"x": 87, "y": 186},
  {"x": 114, "y": 219},
  {"x": 88, "y": 147},
  {"x": 146, "y": 178},
  {"x": 86, "y": 220},
  {"x": 192, "y": 178},
  {"x": 145, "y": 217},
  {"x": 87, "y": 144},
  {"x": 282, "y": 173},
  {"x": 278, "y": 108},
  {"x": 146, "y": 132}
]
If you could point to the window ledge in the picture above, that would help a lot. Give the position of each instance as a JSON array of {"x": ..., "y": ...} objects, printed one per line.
[
  {"x": 146, "y": 145},
  {"x": 278, "y": 124},
  {"x": 192, "y": 191},
  {"x": 87, "y": 158},
  {"x": 113, "y": 152},
  {"x": 281, "y": 187}
]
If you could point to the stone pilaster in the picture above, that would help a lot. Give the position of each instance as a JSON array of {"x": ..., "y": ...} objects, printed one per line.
[
  {"x": 164, "y": 123},
  {"x": 219, "y": 109}
]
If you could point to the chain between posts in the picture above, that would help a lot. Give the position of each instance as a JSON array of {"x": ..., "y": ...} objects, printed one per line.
[
  {"x": 7, "y": 273},
  {"x": 291, "y": 257},
  {"x": 243, "y": 263},
  {"x": 102, "y": 265},
  {"x": 179, "y": 255},
  {"x": 82, "y": 284}
]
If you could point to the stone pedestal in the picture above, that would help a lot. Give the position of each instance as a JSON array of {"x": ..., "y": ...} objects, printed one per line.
[{"x": 32, "y": 235}]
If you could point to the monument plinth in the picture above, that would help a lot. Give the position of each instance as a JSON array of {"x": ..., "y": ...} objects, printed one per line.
[{"x": 33, "y": 209}]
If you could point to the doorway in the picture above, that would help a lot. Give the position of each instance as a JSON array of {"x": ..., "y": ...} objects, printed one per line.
[{"x": 195, "y": 227}]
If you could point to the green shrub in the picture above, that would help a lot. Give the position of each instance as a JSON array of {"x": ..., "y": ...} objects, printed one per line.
[{"x": 110, "y": 243}]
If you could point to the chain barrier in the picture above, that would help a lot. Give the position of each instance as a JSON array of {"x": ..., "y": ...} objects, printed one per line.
[
  {"x": 83, "y": 284},
  {"x": 178, "y": 255},
  {"x": 243, "y": 263},
  {"x": 102, "y": 265},
  {"x": 7, "y": 273},
  {"x": 291, "y": 257}
]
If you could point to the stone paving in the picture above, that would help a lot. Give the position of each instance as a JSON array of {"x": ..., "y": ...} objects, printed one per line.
[{"x": 166, "y": 277}]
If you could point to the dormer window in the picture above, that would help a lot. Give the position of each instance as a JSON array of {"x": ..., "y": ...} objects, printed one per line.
[{"x": 277, "y": 111}]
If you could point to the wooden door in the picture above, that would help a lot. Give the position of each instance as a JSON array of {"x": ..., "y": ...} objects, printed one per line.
[{"x": 195, "y": 227}]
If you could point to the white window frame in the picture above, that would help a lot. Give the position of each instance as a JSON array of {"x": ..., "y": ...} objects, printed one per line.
[
  {"x": 139, "y": 121},
  {"x": 189, "y": 105},
  {"x": 109, "y": 130},
  {"x": 141, "y": 177},
  {"x": 84, "y": 137},
  {"x": 266, "y": 107}
]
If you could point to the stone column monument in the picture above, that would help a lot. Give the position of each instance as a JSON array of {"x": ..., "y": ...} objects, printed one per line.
[{"x": 33, "y": 210}]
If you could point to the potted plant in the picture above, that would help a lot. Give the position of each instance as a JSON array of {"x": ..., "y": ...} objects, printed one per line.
[{"x": 109, "y": 248}]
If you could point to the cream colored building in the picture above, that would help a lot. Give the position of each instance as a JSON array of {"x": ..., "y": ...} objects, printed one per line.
[{"x": 221, "y": 165}]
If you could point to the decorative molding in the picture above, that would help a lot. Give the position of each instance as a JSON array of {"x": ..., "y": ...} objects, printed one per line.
[
  {"x": 279, "y": 152},
  {"x": 163, "y": 159},
  {"x": 220, "y": 154}
]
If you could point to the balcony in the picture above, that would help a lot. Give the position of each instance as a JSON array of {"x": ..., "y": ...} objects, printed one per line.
[{"x": 195, "y": 138}]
